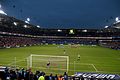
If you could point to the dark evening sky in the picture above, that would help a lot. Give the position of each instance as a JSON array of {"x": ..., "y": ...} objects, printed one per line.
[{"x": 64, "y": 13}]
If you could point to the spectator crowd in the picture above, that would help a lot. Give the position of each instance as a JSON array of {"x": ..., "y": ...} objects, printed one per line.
[
  {"x": 10, "y": 41},
  {"x": 113, "y": 44},
  {"x": 22, "y": 74}
]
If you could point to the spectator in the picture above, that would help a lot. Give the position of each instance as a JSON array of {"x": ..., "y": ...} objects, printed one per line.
[
  {"x": 7, "y": 74},
  {"x": 23, "y": 73},
  {"x": 51, "y": 77},
  {"x": 65, "y": 76},
  {"x": 41, "y": 77},
  {"x": 81, "y": 77},
  {"x": 18, "y": 74},
  {"x": 56, "y": 77},
  {"x": 36, "y": 76},
  {"x": 60, "y": 77},
  {"x": 13, "y": 75},
  {"x": 27, "y": 75}
]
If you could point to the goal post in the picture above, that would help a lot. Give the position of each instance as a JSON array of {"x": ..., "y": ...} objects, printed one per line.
[{"x": 57, "y": 63}]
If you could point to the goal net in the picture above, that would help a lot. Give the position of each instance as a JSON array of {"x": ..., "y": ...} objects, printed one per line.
[{"x": 49, "y": 63}]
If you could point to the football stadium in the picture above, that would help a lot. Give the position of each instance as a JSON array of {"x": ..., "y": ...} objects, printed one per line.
[{"x": 32, "y": 52}]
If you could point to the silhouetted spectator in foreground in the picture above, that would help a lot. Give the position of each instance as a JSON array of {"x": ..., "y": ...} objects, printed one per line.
[
  {"x": 81, "y": 77},
  {"x": 60, "y": 77},
  {"x": 65, "y": 76},
  {"x": 50, "y": 77},
  {"x": 41, "y": 77},
  {"x": 56, "y": 77}
]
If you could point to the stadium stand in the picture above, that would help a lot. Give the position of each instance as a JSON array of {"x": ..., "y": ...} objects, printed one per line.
[
  {"x": 10, "y": 41},
  {"x": 19, "y": 36},
  {"x": 114, "y": 44}
]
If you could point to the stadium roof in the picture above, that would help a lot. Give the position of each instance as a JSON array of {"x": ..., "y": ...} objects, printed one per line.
[
  {"x": 64, "y": 13},
  {"x": 116, "y": 25}
]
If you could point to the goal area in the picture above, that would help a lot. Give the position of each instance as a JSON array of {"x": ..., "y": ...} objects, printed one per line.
[{"x": 48, "y": 63}]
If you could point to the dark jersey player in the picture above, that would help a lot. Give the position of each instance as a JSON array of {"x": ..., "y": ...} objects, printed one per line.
[
  {"x": 64, "y": 51},
  {"x": 48, "y": 64}
]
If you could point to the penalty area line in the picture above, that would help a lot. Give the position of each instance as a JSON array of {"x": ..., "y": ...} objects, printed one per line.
[
  {"x": 13, "y": 62},
  {"x": 94, "y": 67}
]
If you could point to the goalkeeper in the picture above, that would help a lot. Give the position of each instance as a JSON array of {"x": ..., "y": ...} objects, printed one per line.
[{"x": 48, "y": 64}]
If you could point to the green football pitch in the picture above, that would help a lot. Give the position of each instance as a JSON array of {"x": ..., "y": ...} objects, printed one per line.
[{"x": 92, "y": 58}]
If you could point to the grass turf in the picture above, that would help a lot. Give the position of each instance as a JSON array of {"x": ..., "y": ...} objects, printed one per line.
[{"x": 92, "y": 58}]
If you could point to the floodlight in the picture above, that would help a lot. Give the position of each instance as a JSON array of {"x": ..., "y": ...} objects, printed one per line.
[
  {"x": 38, "y": 26},
  {"x": 106, "y": 26},
  {"x": 0, "y": 5},
  {"x": 118, "y": 27},
  {"x": 25, "y": 26},
  {"x": 117, "y": 19},
  {"x": 15, "y": 23},
  {"x": 27, "y": 22},
  {"x": 28, "y": 19},
  {"x": 59, "y": 30},
  {"x": 2, "y": 12},
  {"x": 84, "y": 30}
]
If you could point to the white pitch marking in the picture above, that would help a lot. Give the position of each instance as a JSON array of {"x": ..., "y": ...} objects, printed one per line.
[{"x": 94, "y": 67}]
